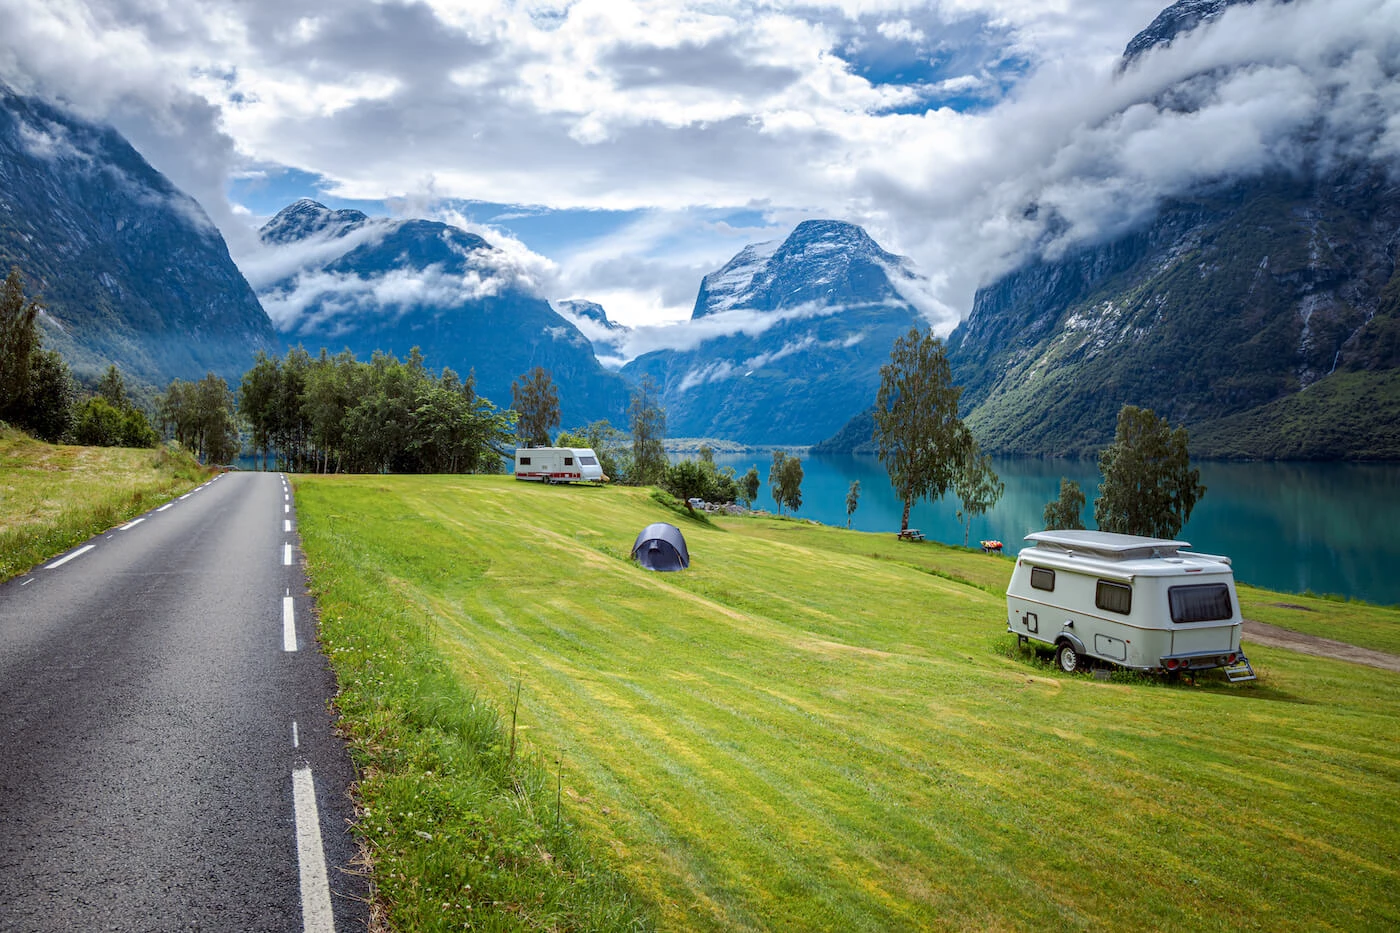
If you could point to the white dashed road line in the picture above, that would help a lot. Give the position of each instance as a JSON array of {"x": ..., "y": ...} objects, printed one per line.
[
  {"x": 286, "y": 555},
  {"x": 316, "y": 915},
  {"x": 130, "y": 525},
  {"x": 286, "y": 524},
  {"x": 63, "y": 560},
  {"x": 289, "y": 625},
  {"x": 164, "y": 507},
  {"x": 296, "y": 739}
]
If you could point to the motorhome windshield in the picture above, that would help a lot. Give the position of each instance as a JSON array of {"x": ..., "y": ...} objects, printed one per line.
[{"x": 1204, "y": 602}]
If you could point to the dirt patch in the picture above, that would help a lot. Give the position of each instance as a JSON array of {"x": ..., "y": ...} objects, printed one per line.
[
  {"x": 1293, "y": 606},
  {"x": 1262, "y": 633}
]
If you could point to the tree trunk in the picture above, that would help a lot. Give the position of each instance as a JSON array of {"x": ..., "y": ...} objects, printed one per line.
[{"x": 904, "y": 522}]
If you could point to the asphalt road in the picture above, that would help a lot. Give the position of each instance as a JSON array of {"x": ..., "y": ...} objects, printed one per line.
[{"x": 165, "y": 760}]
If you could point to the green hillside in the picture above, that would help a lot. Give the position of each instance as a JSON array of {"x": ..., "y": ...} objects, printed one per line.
[
  {"x": 810, "y": 729},
  {"x": 1353, "y": 415}
]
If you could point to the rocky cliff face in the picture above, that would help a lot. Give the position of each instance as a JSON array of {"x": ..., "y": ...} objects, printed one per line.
[
  {"x": 377, "y": 284},
  {"x": 1223, "y": 305},
  {"x": 1233, "y": 301},
  {"x": 801, "y": 328},
  {"x": 130, "y": 268}
]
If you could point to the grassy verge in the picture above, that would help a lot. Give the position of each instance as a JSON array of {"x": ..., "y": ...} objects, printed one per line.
[
  {"x": 54, "y": 496},
  {"x": 814, "y": 729}
]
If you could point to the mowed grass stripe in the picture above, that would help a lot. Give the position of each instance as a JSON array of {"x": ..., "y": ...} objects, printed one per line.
[{"x": 817, "y": 729}]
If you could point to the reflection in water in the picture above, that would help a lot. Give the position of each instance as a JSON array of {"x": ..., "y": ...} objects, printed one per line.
[{"x": 1325, "y": 527}]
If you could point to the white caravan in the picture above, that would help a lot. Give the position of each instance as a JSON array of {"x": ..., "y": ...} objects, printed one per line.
[
  {"x": 1140, "y": 603},
  {"x": 558, "y": 465}
]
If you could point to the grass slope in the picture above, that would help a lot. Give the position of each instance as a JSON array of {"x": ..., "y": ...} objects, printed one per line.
[
  {"x": 814, "y": 729},
  {"x": 53, "y": 496}
]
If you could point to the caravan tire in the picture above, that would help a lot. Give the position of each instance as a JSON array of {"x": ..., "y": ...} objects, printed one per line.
[{"x": 1068, "y": 659}]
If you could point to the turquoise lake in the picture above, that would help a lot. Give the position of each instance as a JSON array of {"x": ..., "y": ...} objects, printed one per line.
[{"x": 1320, "y": 527}]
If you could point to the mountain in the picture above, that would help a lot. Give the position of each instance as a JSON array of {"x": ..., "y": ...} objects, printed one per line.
[
  {"x": 1177, "y": 20},
  {"x": 790, "y": 337},
  {"x": 131, "y": 269},
  {"x": 606, "y": 336},
  {"x": 1248, "y": 310},
  {"x": 345, "y": 280}
]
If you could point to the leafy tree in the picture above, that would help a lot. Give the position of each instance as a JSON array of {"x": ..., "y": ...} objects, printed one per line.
[
  {"x": 852, "y": 500},
  {"x": 98, "y": 423},
  {"x": 537, "y": 400},
  {"x": 1148, "y": 485},
  {"x": 748, "y": 487},
  {"x": 113, "y": 388},
  {"x": 648, "y": 423},
  {"x": 257, "y": 403},
  {"x": 707, "y": 453},
  {"x": 46, "y": 410},
  {"x": 606, "y": 441},
  {"x": 918, "y": 433},
  {"x": 785, "y": 481},
  {"x": 200, "y": 415},
  {"x": 19, "y": 337},
  {"x": 977, "y": 486},
  {"x": 1067, "y": 511},
  {"x": 687, "y": 480}
]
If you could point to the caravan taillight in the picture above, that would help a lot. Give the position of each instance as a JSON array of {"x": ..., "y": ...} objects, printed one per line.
[{"x": 1233, "y": 657}]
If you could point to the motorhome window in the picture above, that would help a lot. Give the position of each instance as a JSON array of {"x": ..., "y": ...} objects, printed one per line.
[
  {"x": 1042, "y": 579},
  {"x": 1114, "y": 597},
  {"x": 588, "y": 461},
  {"x": 524, "y": 461},
  {"x": 568, "y": 461},
  {"x": 1205, "y": 602}
]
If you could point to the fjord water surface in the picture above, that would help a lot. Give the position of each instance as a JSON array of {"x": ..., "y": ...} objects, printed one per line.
[{"x": 1323, "y": 527}]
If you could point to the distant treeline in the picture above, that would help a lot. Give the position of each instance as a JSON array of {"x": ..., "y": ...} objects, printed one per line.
[{"x": 332, "y": 414}]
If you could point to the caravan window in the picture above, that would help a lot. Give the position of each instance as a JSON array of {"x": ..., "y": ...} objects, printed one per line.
[
  {"x": 588, "y": 461},
  {"x": 524, "y": 461},
  {"x": 1205, "y": 602},
  {"x": 568, "y": 461},
  {"x": 1114, "y": 597},
  {"x": 1042, "y": 579}
]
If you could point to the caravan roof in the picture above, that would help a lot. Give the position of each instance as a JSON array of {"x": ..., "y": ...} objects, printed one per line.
[
  {"x": 1106, "y": 544},
  {"x": 1118, "y": 556}
]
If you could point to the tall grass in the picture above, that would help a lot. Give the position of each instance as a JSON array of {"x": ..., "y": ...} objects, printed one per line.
[{"x": 55, "y": 496}]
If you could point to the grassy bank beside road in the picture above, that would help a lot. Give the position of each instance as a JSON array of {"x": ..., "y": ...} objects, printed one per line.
[
  {"x": 814, "y": 729},
  {"x": 53, "y": 496}
]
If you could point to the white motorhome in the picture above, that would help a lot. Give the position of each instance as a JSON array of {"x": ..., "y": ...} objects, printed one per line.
[
  {"x": 558, "y": 465},
  {"x": 1139, "y": 603}
]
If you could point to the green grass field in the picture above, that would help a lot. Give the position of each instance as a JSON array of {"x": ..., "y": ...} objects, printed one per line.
[
  {"x": 811, "y": 729},
  {"x": 53, "y": 496}
]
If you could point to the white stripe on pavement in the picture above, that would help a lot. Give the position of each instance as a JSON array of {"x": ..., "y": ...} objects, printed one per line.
[
  {"x": 130, "y": 525},
  {"x": 164, "y": 507},
  {"x": 286, "y": 524},
  {"x": 286, "y": 555},
  {"x": 316, "y": 915},
  {"x": 289, "y": 625},
  {"x": 63, "y": 560}
]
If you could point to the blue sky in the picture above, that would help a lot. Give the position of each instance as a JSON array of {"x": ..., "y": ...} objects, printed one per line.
[{"x": 622, "y": 149}]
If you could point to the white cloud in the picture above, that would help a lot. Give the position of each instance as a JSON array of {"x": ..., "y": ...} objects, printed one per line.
[{"x": 681, "y": 108}]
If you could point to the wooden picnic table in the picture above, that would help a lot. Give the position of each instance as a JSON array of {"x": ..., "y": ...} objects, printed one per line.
[{"x": 911, "y": 534}]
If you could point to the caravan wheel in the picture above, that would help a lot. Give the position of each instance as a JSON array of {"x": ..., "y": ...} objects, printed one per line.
[{"x": 1068, "y": 659}]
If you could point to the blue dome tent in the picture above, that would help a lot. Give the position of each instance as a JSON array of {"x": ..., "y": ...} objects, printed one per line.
[{"x": 661, "y": 547}]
